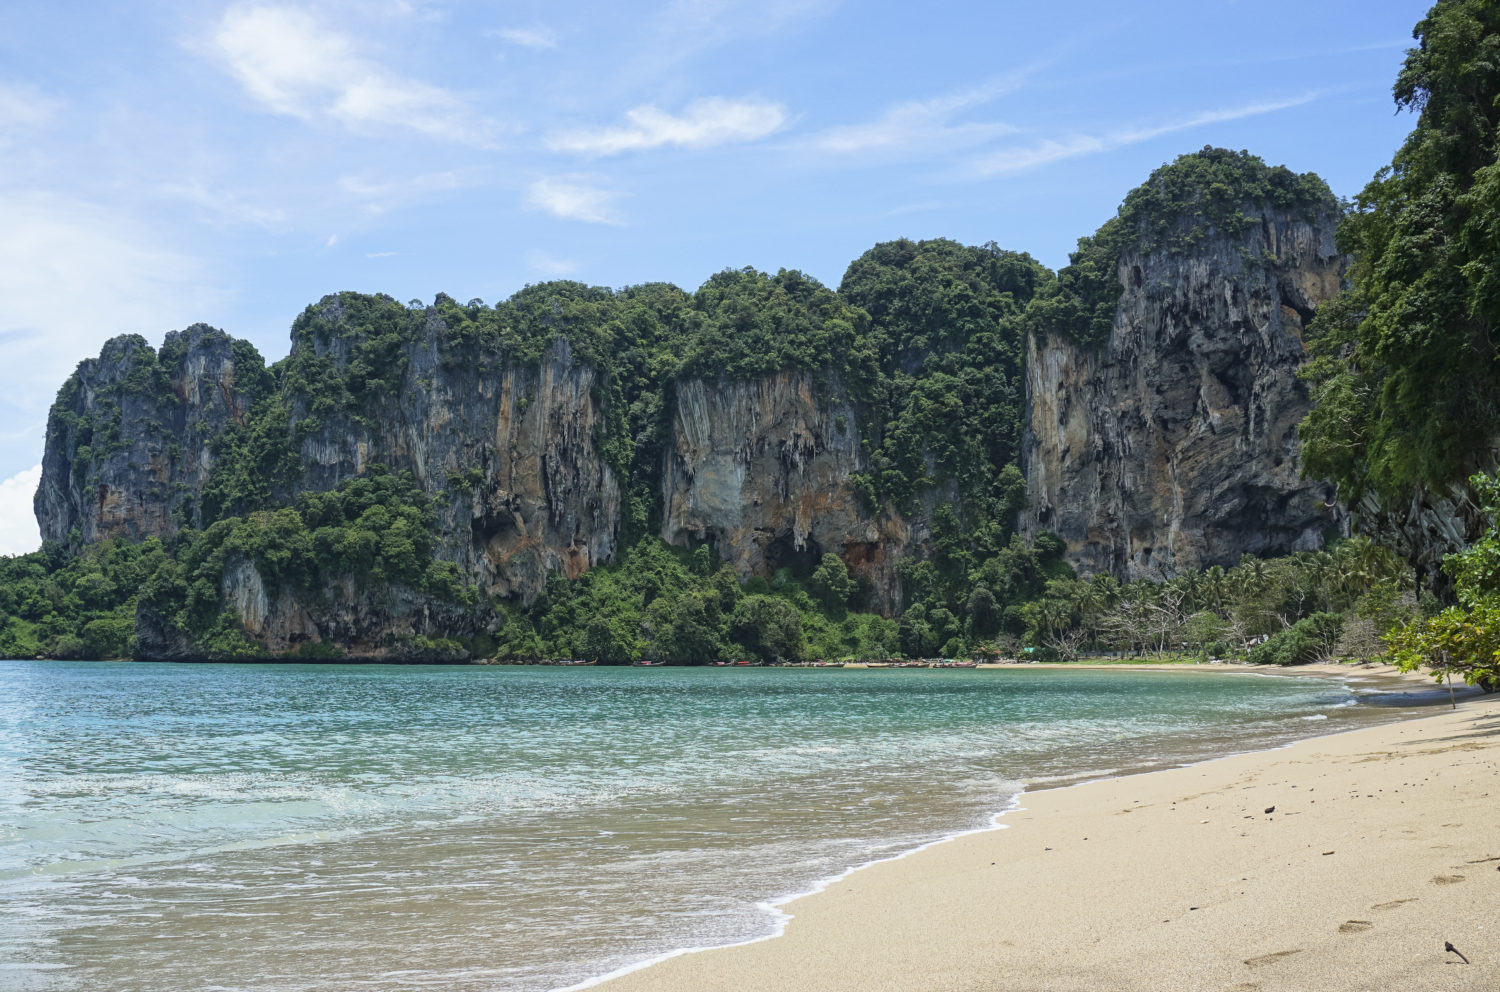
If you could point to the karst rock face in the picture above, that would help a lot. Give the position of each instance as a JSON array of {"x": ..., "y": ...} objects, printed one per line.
[
  {"x": 1173, "y": 446},
  {"x": 129, "y": 440},
  {"x": 505, "y": 448},
  {"x": 761, "y": 470},
  {"x": 1170, "y": 446}
]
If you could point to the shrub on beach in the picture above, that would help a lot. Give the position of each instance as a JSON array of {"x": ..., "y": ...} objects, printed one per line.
[{"x": 1310, "y": 639}]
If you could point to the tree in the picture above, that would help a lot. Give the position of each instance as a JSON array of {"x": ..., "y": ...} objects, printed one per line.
[
  {"x": 1465, "y": 638},
  {"x": 1312, "y": 638},
  {"x": 984, "y": 612},
  {"x": 831, "y": 584},
  {"x": 602, "y": 643},
  {"x": 1202, "y": 629},
  {"x": 913, "y": 633},
  {"x": 686, "y": 629},
  {"x": 1404, "y": 374},
  {"x": 768, "y": 627}
]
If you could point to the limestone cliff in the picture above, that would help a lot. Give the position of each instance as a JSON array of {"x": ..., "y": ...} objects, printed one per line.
[
  {"x": 506, "y": 448},
  {"x": 129, "y": 440},
  {"x": 761, "y": 469},
  {"x": 1173, "y": 446},
  {"x": 762, "y": 415}
]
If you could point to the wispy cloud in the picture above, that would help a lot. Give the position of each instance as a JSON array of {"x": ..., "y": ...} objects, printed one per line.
[
  {"x": 294, "y": 65},
  {"x": 230, "y": 207},
  {"x": 379, "y": 195},
  {"x": 702, "y": 124},
  {"x": 926, "y": 125},
  {"x": 380, "y": 254},
  {"x": 23, "y": 107},
  {"x": 574, "y": 198},
  {"x": 550, "y": 265},
  {"x": 540, "y": 38},
  {"x": 18, "y": 530},
  {"x": 1053, "y": 150},
  {"x": 684, "y": 28}
]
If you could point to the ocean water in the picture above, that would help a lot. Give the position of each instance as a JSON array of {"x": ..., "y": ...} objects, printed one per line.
[{"x": 276, "y": 828}]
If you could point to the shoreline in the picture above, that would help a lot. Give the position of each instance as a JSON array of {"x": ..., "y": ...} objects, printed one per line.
[{"x": 833, "y": 914}]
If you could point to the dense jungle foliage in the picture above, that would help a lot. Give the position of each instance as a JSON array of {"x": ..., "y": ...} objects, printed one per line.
[
  {"x": 1405, "y": 372},
  {"x": 1465, "y": 637}
]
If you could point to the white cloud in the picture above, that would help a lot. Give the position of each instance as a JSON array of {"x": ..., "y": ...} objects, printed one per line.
[
  {"x": 288, "y": 60},
  {"x": 539, "y": 38},
  {"x": 19, "y": 533},
  {"x": 924, "y": 125},
  {"x": 574, "y": 198},
  {"x": 702, "y": 124},
  {"x": 1054, "y": 150},
  {"x": 380, "y": 254},
  {"x": 549, "y": 265}
]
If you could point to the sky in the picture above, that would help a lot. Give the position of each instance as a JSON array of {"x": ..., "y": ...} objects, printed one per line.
[{"x": 164, "y": 163}]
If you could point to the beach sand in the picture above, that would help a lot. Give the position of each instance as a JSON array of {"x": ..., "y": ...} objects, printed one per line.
[{"x": 1384, "y": 844}]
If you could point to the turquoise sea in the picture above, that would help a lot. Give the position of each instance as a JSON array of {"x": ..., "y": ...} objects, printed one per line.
[{"x": 274, "y": 828}]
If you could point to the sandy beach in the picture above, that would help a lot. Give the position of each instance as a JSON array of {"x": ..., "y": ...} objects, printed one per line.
[{"x": 1338, "y": 863}]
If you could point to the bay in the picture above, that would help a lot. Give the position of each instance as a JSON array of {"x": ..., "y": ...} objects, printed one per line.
[{"x": 281, "y": 827}]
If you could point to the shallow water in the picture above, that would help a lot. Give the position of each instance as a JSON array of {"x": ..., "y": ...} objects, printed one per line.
[{"x": 367, "y": 827}]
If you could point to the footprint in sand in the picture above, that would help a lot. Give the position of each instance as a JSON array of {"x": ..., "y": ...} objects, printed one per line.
[
  {"x": 1356, "y": 926},
  {"x": 1446, "y": 879},
  {"x": 1265, "y": 959},
  {"x": 1393, "y": 903}
]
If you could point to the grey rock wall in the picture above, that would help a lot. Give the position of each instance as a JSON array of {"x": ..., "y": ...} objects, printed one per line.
[
  {"x": 128, "y": 447},
  {"x": 761, "y": 469},
  {"x": 1174, "y": 446}
]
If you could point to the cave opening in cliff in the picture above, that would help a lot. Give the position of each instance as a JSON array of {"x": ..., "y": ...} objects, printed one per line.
[{"x": 782, "y": 552}]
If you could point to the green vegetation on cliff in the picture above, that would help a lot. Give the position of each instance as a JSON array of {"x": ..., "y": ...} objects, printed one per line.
[
  {"x": 949, "y": 323},
  {"x": 1173, "y": 210},
  {"x": 375, "y": 530}
]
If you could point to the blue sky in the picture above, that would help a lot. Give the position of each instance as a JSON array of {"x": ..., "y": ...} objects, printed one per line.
[{"x": 163, "y": 163}]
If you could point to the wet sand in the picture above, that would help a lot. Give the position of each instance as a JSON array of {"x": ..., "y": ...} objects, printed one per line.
[{"x": 1383, "y": 844}]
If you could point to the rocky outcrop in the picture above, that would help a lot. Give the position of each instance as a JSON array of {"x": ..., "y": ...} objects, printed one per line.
[
  {"x": 348, "y": 621},
  {"x": 1425, "y": 528},
  {"x": 761, "y": 470},
  {"x": 505, "y": 448},
  {"x": 1174, "y": 445},
  {"x": 129, "y": 440}
]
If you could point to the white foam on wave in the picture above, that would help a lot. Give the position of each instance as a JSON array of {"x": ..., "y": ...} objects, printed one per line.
[
  {"x": 780, "y": 917},
  {"x": 1085, "y": 775}
]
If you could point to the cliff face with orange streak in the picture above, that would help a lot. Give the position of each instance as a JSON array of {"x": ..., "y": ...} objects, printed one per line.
[
  {"x": 505, "y": 449},
  {"x": 760, "y": 469}
]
